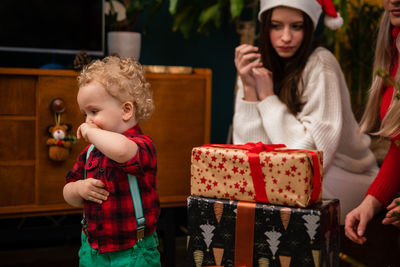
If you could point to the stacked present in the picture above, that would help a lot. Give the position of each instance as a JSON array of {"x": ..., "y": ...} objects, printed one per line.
[
  {"x": 225, "y": 233},
  {"x": 260, "y": 205}
]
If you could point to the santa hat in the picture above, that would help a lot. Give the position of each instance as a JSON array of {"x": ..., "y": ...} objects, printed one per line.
[{"x": 313, "y": 8}]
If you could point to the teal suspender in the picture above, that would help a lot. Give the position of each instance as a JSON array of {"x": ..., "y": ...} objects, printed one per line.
[{"x": 137, "y": 202}]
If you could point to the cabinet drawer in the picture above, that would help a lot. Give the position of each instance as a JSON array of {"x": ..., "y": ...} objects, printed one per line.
[
  {"x": 17, "y": 140},
  {"x": 17, "y": 95},
  {"x": 18, "y": 183}
]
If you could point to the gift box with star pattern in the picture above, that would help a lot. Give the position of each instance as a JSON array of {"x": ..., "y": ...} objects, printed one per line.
[
  {"x": 257, "y": 173},
  {"x": 237, "y": 233}
]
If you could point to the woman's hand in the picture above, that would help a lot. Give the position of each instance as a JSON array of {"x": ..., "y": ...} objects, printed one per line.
[
  {"x": 357, "y": 220},
  {"x": 92, "y": 190},
  {"x": 393, "y": 215},
  {"x": 247, "y": 58},
  {"x": 264, "y": 82}
]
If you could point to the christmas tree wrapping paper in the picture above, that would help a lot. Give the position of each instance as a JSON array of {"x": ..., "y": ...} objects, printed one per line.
[
  {"x": 257, "y": 173},
  {"x": 237, "y": 233}
]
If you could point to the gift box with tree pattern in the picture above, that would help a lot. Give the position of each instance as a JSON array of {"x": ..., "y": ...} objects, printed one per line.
[{"x": 237, "y": 233}]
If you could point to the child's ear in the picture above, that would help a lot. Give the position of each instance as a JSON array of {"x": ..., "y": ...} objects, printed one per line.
[{"x": 128, "y": 110}]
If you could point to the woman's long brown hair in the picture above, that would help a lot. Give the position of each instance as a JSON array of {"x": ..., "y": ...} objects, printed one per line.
[{"x": 286, "y": 73}]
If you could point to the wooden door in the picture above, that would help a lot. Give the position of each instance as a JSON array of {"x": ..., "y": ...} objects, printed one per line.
[{"x": 51, "y": 174}]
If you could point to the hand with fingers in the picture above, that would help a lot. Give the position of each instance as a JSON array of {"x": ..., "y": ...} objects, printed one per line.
[
  {"x": 83, "y": 130},
  {"x": 93, "y": 190},
  {"x": 247, "y": 58},
  {"x": 393, "y": 215},
  {"x": 357, "y": 220},
  {"x": 264, "y": 82}
]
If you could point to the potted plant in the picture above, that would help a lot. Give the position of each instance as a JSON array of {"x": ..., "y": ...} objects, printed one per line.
[
  {"x": 205, "y": 16},
  {"x": 121, "y": 19}
]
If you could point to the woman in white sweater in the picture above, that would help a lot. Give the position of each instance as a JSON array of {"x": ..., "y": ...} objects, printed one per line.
[{"x": 294, "y": 93}]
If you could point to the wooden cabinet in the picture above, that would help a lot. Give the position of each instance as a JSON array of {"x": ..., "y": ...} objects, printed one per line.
[{"x": 31, "y": 183}]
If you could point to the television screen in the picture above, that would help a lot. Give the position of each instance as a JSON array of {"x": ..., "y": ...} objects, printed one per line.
[{"x": 52, "y": 26}]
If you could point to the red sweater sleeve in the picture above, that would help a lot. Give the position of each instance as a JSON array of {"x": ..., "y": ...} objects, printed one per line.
[{"x": 387, "y": 183}]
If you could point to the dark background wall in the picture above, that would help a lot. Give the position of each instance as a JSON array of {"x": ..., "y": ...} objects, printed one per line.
[{"x": 161, "y": 46}]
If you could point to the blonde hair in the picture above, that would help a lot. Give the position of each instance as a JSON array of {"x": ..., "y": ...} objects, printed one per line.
[
  {"x": 123, "y": 79},
  {"x": 390, "y": 125}
]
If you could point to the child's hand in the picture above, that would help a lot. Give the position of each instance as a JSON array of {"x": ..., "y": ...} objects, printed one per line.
[
  {"x": 393, "y": 215},
  {"x": 83, "y": 130},
  {"x": 92, "y": 190}
]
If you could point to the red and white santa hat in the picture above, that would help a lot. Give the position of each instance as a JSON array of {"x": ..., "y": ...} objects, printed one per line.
[{"x": 312, "y": 8}]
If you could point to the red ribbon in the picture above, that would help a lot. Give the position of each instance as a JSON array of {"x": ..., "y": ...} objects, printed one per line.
[
  {"x": 244, "y": 233},
  {"x": 253, "y": 151}
]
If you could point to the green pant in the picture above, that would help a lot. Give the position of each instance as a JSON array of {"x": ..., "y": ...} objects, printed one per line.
[{"x": 143, "y": 254}]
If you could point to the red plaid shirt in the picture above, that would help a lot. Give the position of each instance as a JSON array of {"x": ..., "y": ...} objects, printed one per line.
[{"x": 111, "y": 226}]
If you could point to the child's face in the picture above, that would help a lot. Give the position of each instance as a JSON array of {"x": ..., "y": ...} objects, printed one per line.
[
  {"x": 100, "y": 108},
  {"x": 287, "y": 31}
]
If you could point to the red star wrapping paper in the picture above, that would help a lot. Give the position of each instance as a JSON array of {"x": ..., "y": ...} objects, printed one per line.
[{"x": 257, "y": 173}]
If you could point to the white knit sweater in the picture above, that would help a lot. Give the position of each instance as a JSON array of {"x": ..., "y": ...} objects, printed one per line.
[{"x": 326, "y": 121}]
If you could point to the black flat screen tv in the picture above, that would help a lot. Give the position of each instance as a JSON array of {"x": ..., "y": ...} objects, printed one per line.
[{"x": 52, "y": 26}]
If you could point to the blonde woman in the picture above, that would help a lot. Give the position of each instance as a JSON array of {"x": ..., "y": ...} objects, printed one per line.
[{"x": 383, "y": 102}]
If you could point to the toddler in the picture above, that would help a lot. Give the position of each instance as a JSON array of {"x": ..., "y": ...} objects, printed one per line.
[{"x": 114, "y": 97}]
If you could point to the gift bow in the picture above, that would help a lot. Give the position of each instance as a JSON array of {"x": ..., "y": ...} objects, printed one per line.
[
  {"x": 252, "y": 147},
  {"x": 253, "y": 151}
]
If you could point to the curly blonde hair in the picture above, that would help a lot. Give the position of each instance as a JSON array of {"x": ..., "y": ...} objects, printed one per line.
[{"x": 122, "y": 78}]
